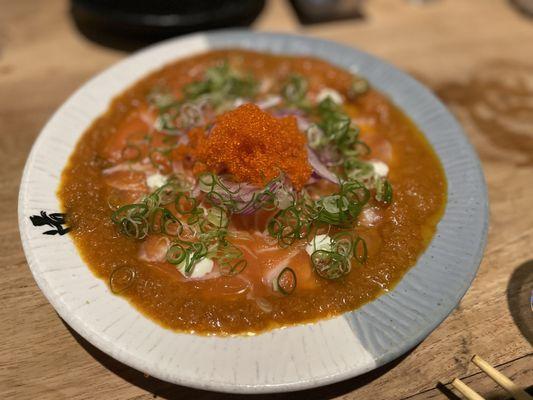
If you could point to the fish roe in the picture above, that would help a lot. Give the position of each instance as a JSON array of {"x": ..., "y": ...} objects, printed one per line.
[{"x": 255, "y": 147}]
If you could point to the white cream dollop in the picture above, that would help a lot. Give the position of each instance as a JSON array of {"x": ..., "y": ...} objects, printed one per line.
[
  {"x": 155, "y": 181},
  {"x": 201, "y": 268},
  {"x": 380, "y": 168},
  {"x": 331, "y": 93},
  {"x": 319, "y": 242}
]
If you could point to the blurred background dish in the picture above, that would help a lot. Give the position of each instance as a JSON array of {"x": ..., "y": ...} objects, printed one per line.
[
  {"x": 314, "y": 11},
  {"x": 129, "y": 25},
  {"x": 133, "y": 23}
]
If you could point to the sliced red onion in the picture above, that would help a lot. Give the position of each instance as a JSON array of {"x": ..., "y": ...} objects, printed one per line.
[
  {"x": 288, "y": 112},
  {"x": 255, "y": 200},
  {"x": 303, "y": 123},
  {"x": 268, "y": 102},
  {"x": 189, "y": 115},
  {"x": 248, "y": 198},
  {"x": 319, "y": 168},
  {"x": 330, "y": 156},
  {"x": 264, "y": 304},
  {"x": 195, "y": 192}
]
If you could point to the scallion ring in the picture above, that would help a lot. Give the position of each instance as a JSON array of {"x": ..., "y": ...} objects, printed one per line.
[
  {"x": 286, "y": 281},
  {"x": 330, "y": 265},
  {"x": 122, "y": 278},
  {"x": 360, "y": 250},
  {"x": 176, "y": 254}
]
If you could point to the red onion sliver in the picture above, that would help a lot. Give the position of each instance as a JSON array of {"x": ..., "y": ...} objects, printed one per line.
[{"x": 319, "y": 168}]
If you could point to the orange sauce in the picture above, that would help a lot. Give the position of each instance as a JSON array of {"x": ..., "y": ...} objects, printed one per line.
[{"x": 396, "y": 235}]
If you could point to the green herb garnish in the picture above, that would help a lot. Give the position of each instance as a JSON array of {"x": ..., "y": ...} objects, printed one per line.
[
  {"x": 295, "y": 91},
  {"x": 197, "y": 222},
  {"x": 359, "y": 87},
  {"x": 286, "y": 281},
  {"x": 221, "y": 83},
  {"x": 337, "y": 261},
  {"x": 383, "y": 191},
  {"x": 122, "y": 278}
]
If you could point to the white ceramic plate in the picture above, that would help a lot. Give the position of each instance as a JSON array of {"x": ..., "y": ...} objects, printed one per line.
[{"x": 287, "y": 359}]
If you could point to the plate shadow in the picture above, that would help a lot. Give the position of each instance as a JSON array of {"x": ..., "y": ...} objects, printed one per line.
[
  {"x": 171, "y": 391},
  {"x": 520, "y": 298}
]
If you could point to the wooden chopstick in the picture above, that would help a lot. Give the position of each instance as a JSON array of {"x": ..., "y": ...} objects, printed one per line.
[
  {"x": 465, "y": 390},
  {"x": 512, "y": 388}
]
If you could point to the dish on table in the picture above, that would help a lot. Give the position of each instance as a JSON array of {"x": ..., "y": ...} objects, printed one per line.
[
  {"x": 233, "y": 191},
  {"x": 236, "y": 191}
]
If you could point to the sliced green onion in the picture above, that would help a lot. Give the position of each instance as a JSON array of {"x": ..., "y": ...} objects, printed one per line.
[
  {"x": 286, "y": 281},
  {"x": 167, "y": 193},
  {"x": 235, "y": 268},
  {"x": 329, "y": 264},
  {"x": 360, "y": 251},
  {"x": 341, "y": 136},
  {"x": 230, "y": 260},
  {"x": 132, "y": 220},
  {"x": 343, "y": 243},
  {"x": 218, "y": 217},
  {"x": 176, "y": 254},
  {"x": 221, "y": 84},
  {"x": 359, "y": 86},
  {"x": 361, "y": 148},
  {"x": 129, "y": 210},
  {"x": 295, "y": 90},
  {"x": 122, "y": 278},
  {"x": 163, "y": 221},
  {"x": 185, "y": 204},
  {"x": 197, "y": 251},
  {"x": 114, "y": 200},
  {"x": 356, "y": 169},
  {"x": 161, "y": 98},
  {"x": 286, "y": 226},
  {"x": 383, "y": 191}
]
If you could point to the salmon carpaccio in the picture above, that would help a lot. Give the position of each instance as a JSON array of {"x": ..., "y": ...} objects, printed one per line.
[{"x": 114, "y": 160}]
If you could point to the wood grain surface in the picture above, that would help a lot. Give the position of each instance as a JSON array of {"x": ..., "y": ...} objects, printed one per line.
[{"x": 477, "y": 55}]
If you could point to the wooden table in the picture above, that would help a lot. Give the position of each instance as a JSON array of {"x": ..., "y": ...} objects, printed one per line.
[{"x": 478, "y": 57}]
